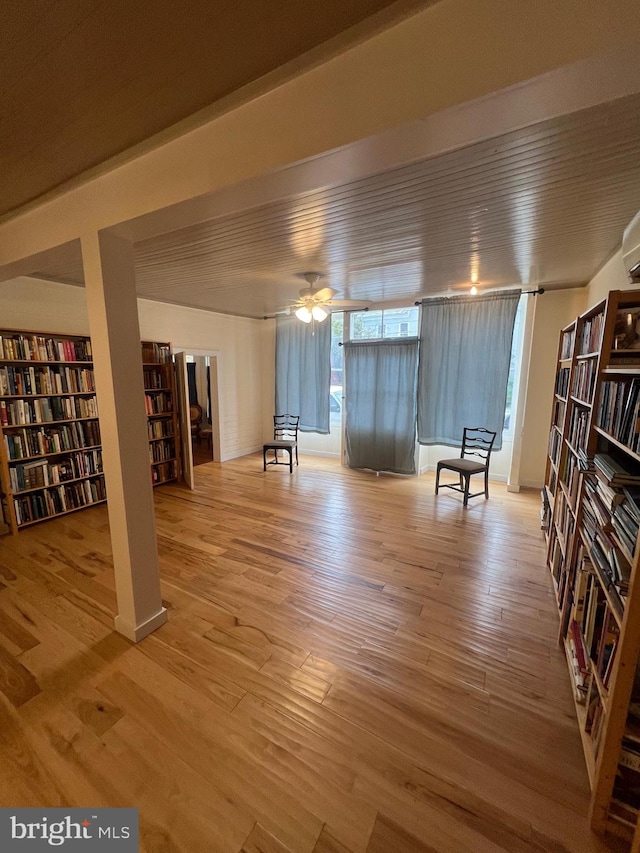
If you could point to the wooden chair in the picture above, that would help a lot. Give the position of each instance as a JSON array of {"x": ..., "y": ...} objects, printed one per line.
[
  {"x": 477, "y": 443},
  {"x": 285, "y": 437},
  {"x": 195, "y": 416}
]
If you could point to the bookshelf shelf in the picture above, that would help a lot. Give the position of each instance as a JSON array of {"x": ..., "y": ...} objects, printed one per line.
[
  {"x": 24, "y": 361},
  {"x": 580, "y": 402},
  {"x": 631, "y": 453},
  {"x": 65, "y": 512},
  {"x": 55, "y": 485},
  {"x": 594, "y": 498},
  {"x": 621, "y": 371}
]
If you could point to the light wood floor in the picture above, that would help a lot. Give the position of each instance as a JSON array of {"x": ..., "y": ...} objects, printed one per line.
[{"x": 350, "y": 664}]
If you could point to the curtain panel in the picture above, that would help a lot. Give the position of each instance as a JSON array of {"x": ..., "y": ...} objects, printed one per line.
[
  {"x": 303, "y": 372},
  {"x": 465, "y": 354},
  {"x": 380, "y": 392},
  {"x": 191, "y": 379}
]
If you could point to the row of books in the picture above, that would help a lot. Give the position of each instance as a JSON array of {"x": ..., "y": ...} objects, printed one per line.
[
  {"x": 559, "y": 407},
  {"x": 626, "y": 520},
  {"x": 568, "y": 340},
  {"x": 595, "y": 717},
  {"x": 159, "y": 451},
  {"x": 562, "y": 381},
  {"x": 584, "y": 379},
  {"x": 626, "y": 787},
  {"x": 619, "y": 411},
  {"x": 160, "y": 428},
  {"x": 21, "y": 347},
  {"x": 579, "y": 427},
  {"x": 46, "y": 410},
  {"x": 594, "y": 628},
  {"x": 158, "y": 403},
  {"x": 614, "y": 473},
  {"x": 45, "y": 380},
  {"x": 555, "y": 444},
  {"x": 565, "y": 521},
  {"x": 58, "y": 499},
  {"x": 569, "y": 471},
  {"x": 40, "y": 441},
  {"x": 154, "y": 377},
  {"x": 153, "y": 353},
  {"x": 164, "y": 472},
  {"x": 591, "y": 334},
  {"x": 42, "y": 473},
  {"x": 545, "y": 510},
  {"x": 613, "y": 566}
]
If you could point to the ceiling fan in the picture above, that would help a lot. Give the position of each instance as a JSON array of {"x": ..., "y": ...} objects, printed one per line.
[{"x": 317, "y": 304}]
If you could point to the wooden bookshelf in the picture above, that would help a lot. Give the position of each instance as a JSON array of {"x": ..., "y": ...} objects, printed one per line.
[
  {"x": 50, "y": 455},
  {"x": 591, "y": 503},
  {"x": 161, "y": 406},
  {"x": 50, "y": 446}
]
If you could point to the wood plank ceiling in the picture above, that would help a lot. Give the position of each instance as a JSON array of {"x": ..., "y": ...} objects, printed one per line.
[
  {"x": 82, "y": 81},
  {"x": 542, "y": 205}
]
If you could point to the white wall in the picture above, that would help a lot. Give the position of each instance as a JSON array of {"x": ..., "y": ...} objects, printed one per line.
[
  {"x": 611, "y": 276},
  {"x": 246, "y": 348},
  {"x": 554, "y": 309}
]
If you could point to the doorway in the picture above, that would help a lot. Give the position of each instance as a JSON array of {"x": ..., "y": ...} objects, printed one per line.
[{"x": 200, "y": 425}]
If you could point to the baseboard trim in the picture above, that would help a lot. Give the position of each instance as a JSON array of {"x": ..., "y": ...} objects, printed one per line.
[
  {"x": 531, "y": 484},
  {"x": 135, "y": 633}
]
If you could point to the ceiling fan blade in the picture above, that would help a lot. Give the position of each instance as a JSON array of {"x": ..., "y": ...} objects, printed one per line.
[{"x": 324, "y": 294}]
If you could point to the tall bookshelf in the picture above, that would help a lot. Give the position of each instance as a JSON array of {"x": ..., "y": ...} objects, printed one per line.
[
  {"x": 161, "y": 406},
  {"x": 50, "y": 455},
  {"x": 591, "y": 518}
]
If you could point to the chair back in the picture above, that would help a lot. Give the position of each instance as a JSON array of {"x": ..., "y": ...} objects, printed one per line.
[
  {"x": 478, "y": 442},
  {"x": 285, "y": 427},
  {"x": 195, "y": 414}
]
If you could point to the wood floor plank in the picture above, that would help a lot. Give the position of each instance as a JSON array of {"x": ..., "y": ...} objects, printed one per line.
[{"x": 351, "y": 665}]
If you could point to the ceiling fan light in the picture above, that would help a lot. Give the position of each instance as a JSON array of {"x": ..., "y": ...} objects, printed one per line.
[
  {"x": 319, "y": 314},
  {"x": 304, "y": 314}
]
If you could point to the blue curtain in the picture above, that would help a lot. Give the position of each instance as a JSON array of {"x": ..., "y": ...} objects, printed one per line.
[
  {"x": 465, "y": 353},
  {"x": 303, "y": 372},
  {"x": 380, "y": 392}
]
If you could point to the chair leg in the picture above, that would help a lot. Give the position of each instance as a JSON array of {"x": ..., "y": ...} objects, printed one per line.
[
  {"x": 264, "y": 459},
  {"x": 290, "y": 449},
  {"x": 466, "y": 489},
  {"x": 438, "y": 469},
  {"x": 486, "y": 484},
  {"x": 297, "y": 463}
]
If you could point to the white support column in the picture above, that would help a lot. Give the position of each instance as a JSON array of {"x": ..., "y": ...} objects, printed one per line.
[{"x": 115, "y": 337}]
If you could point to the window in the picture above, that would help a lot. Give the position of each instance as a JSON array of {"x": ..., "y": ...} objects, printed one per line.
[
  {"x": 335, "y": 393},
  {"x": 402, "y": 323},
  {"x": 514, "y": 371},
  {"x": 386, "y": 323}
]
